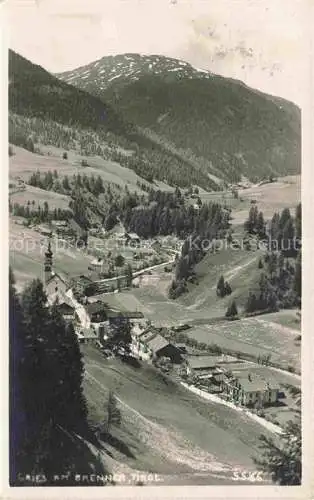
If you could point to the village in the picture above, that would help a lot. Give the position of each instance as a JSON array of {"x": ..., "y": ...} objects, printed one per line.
[{"x": 242, "y": 383}]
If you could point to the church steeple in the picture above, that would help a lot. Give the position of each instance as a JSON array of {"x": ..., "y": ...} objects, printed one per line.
[{"x": 48, "y": 263}]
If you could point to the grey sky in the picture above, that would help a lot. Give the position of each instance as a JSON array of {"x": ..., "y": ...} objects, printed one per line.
[{"x": 260, "y": 42}]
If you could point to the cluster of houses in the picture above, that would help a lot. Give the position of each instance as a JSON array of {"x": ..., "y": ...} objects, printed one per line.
[{"x": 95, "y": 322}]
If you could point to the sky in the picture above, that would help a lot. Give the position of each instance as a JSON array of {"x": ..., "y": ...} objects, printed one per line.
[{"x": 261, "y": 42}]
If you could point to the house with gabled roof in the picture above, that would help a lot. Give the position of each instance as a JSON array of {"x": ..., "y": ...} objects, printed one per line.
[
  {"x": 251, "y": 389},
  {"x": 151, "y": 344}
]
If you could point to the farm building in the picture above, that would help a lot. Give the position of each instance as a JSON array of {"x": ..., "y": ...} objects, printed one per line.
[
  {"x": 251, "y": 389},
  {"x": 153, "y": 345},
  {"x": 204, "y": 367}
]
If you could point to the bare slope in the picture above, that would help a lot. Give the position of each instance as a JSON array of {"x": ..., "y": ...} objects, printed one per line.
[{"x": 165, "y": 429}]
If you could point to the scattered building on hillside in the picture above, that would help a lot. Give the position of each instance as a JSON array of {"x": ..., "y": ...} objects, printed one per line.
[
  {"x": 132, "y": 239},
  {"x": 59, "y": 223},
  {"x": 156, "y": 245},
  {"x": 151, "y": 344},
  {"x": 250, "y": 390},
  {"x": 97, "y": 265},
  {"x": 20, "y": 221},
  {"x": 44, "y": 230},
  {"x": 204, "y": 367}
]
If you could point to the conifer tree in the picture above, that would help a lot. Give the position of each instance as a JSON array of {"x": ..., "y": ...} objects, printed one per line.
[
  {"x": 232, "y": 311},
  {"x": 113, "y": 414},
  {"x": 220, "y": 290}
]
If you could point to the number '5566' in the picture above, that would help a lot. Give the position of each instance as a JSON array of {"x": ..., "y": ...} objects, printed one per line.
[{"x": 254, "y": 476}]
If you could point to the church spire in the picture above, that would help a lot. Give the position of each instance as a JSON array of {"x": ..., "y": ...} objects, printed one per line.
[{"x": 48, "y": 263}]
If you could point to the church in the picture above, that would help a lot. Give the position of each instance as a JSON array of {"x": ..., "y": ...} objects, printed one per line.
[{"x": 55, "y": 286}]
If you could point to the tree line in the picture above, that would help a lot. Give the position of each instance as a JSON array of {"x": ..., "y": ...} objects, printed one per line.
[
  {"x": 47, "y": 405},
  {"x": 280, "y": 281},
  {"x": 38, "y": 214}
]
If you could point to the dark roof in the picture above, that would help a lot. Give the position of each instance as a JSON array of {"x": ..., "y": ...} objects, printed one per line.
[
  {"x": 95, "y": 307},
  {"x": 202, "y": 362},
  {"x": 56, "y": 275},
  {"x": 64, "y": 307},
  {"x": 157, "y": 343},
  {"x": 82, "y": 280},
  {"x": 125, "y": 314}
]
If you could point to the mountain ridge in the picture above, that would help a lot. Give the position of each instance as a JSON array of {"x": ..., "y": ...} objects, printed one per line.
[
  {"x": 216, "y": 120},
  {"x": 53, "y": 112}
]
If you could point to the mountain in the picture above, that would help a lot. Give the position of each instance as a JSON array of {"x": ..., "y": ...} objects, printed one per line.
[
  {"x": 34, "y": 92},
  {"x": 222, "y": 125},
  {"x": 54, "y": 112}
]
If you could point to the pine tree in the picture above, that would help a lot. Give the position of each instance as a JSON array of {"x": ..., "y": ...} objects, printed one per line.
[
  {"x": 17, "y": 425},
  {"x": 232, "y": 311},
  {"x": 129, "y": 275},
  {"x": 112, "y": 413},
  {"x": 283, "y": 461},
  {"x": 228, "y": 289},
  {"x": 297, "y": 285},
  {"x": 65, "y": 183},
  {"x": 298, "y": 222},
  {"x": 220, "y": 289},
  {"x": 260, "y": 225},
  {"x": 252, "y": 303}
]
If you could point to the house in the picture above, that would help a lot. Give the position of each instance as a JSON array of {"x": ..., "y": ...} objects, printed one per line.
[
  {"x": 87, "y": 335},
  {"x": 82, "y": 285},
  {"x": 97, "y": 265},
  {"x": 59, "y": 223},
  {"x": 67, "y": 311},
  {"x": 204, "y": 367},
  {"x": 97, "y": 312},
  {"x": 118, "y": 319},
  {"x": 132, "y": 239},
  {"x": 156, "y": 245},
  {"x": 153, "y": 345},
  {"x": 251, "y": 389},
  {"x": 20, "y": 221},
  {"x": 44, "y": 230}
]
